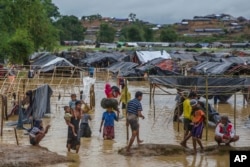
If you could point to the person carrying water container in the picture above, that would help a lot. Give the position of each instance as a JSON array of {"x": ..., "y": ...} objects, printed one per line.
[
  {"x": 224, "y": 132},
  {"x": 108, "y": 118}
]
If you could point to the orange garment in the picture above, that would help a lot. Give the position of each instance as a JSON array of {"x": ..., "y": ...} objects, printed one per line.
[{"x": 198, "y": 116}]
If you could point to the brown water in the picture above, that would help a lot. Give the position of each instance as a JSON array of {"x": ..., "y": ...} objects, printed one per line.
[{"x": 95, "y": 151}]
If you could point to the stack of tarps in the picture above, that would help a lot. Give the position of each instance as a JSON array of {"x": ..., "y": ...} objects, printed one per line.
[
  {"x": 220, "y": 86},
  {"x": 47, "y": 62},
  {"x": 102, "y": 59},
  {"x": 38, "y": 106}
]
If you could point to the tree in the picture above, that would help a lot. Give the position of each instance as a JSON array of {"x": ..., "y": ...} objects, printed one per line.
[
  {"x": 31, "y": 16},
  {"x": 168, "y": 35},
  {"x": 132, "y": 17},
  {"x": 132, "y": 33},
  {"x": 148, "y": 34},
  {"x": 51, "y": 9},
  {"x": 19, "y": 47},
  {"x": 70, "y": 28},
  {"x": 106, "y": 33}
]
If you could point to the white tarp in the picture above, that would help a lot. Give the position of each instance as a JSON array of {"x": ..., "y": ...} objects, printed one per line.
[
  {"x": 145, "y": 56},
  {"x": 87, "y": 82}
]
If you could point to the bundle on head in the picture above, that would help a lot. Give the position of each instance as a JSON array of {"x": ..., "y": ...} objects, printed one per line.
[{"x": 109, "y": 103}]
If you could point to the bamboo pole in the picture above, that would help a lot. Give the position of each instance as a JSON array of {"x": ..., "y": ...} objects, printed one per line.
[
  {"x": 206, "y": 107},
  {"x": 126, "y": 101},
  {"x": 150, "y": 95},
  {"x": 235, "y": 112},
  {"x": 6, "y": 107},
  {"x": 2, "y": 116},
  {"x": 154, "y": 100},
  {"x": 17, "y": 143}
]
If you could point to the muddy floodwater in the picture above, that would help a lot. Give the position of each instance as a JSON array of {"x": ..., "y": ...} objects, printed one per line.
[{"x": 158, "y": 129}]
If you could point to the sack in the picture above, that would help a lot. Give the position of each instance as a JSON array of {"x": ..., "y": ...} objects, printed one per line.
[{"x": 109, "y": 103}]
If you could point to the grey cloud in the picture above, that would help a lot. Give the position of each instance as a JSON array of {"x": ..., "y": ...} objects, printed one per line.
[{"x": 155, "y": 11}]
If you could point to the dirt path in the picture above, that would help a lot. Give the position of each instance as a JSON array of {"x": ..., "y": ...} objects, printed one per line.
[{"x": 28, "y": 156}]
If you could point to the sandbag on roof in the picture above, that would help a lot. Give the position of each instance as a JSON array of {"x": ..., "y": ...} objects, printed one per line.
[{"x": 121, "y": 66}]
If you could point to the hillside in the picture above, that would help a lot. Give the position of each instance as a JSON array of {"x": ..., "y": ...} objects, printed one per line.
[{"x": 223, "y": 25}]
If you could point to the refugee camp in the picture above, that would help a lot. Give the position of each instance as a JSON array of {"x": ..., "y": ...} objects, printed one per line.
[{"x": 122, "y": 91}]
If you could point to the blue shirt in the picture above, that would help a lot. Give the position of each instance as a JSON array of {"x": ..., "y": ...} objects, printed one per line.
[
  {"x": 134, "y": 106},
  {"x": 72, "y": 104},
  {"x": 109, "y": 118}
]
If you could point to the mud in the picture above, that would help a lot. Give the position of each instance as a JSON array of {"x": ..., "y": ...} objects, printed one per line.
[
  {"x": 168, "y": 150},
  {"x": 28, "y": 156}
]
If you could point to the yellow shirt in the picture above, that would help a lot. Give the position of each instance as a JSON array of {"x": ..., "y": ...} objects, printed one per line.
[
  {"x": 123, "y": 96},
  {"x": 187, "y": 109}
]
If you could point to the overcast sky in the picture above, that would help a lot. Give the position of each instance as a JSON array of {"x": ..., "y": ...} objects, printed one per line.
[{"x": 154, "y": 11}]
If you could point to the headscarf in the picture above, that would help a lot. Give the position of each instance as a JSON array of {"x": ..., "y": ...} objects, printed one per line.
[{"x": 108, "y": 90}]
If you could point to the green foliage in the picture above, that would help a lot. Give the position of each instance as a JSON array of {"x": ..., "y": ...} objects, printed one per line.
[
  {"x": 106, "y": 33},
  {"x": 31, "y": 18},
  {"x": 148, "y": 34},
  {"x": 132, "y": 33},
  {"x": 51, "y": 9},
  {"x": 92, "y": 17},
  {"x": 19, "y": 47},
  {"x": 70, "y": 28},
  {"x": 168, "y": 34}
]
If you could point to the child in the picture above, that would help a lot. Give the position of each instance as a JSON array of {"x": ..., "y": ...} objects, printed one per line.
[
  {"x": 108, "y": 118},
  {"x": 37, "y": 133},
  {"x": 85, "y": 130},
  {"x": 67, "y": 117},
  {"x": 124, "y": 99},
  {"x": 72, "y": 103},
  {"x": 198, "y": 119}
]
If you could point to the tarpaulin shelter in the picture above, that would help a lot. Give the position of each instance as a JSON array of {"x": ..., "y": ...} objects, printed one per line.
[
  {"x": 47, "y": 62},
  {"x": 212, "y": 68},
  {"x": 121, "y": 66},
  {"x": 141, "y": 57},
  {"x": 215, "y": 85},
  {"x": 102, "y": 59}
]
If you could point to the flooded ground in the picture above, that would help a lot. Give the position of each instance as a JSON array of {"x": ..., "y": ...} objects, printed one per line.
[{"x": 95, "y": 151}]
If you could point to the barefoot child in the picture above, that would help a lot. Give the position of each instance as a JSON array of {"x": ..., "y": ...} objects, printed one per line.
[
  {"x": 108, "y": 118},
  {"x": 37, "y": 133},
  {"x": 67, "y": 117}
]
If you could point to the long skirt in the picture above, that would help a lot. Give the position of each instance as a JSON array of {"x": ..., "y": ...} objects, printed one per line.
[{"x": 108, "y": 132}]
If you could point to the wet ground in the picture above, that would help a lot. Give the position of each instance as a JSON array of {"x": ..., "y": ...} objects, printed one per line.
[{"x": 160, "y": 129}]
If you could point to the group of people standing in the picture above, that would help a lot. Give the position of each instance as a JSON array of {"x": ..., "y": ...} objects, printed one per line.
[
  {"x": 132, "y": 110},
  {"x": 195, "y": 119}
]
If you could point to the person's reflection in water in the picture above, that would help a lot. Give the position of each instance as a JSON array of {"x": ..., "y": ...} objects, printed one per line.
[
  {"x": 107, "y": 146},
  {"x": 194, "y": 162},
  {"x": 75, "y": 158}
]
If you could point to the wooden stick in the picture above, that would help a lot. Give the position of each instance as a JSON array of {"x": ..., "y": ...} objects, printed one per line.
[
  {"x": 2, "y": 117},
  {"x": 16, "y": 136},
  {"x": 126, "y": 100}
]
